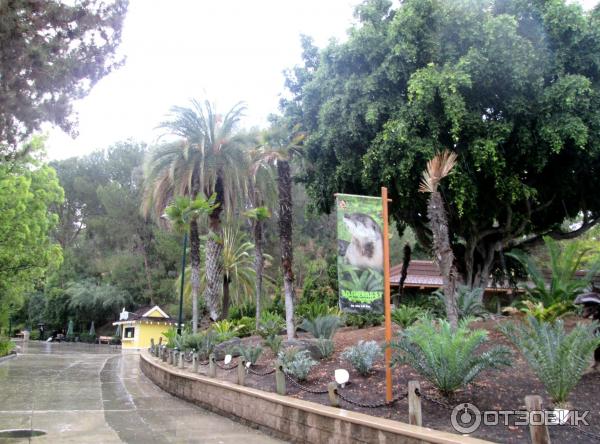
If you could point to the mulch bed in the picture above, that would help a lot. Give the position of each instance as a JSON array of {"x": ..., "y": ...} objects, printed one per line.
[{"x": 493, "y": 390}]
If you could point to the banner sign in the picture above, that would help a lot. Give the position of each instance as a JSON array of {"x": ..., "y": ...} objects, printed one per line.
[{"x": 360, "y": 253}]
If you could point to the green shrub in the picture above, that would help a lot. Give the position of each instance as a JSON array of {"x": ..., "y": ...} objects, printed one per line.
[
  {"x": 170, "y": 335},
  {"x": 247, "y": 309},
  {"x": 245, "y": 326},
  {"x": 203, "y": 342},
  {"x": 364, "y": 320},
  {"x": 363, "y": 355},
  {"x": 326, "y": 347},
  {"x": 557, "y": 358},
  {"x": 312, "y": 310},
  {"x": 34, "y": 335},
  {"x": 273, "y": 342},
  {"x": 250, "y": 353},
  {"x": 468, "y": 301},
  {"x": 88, "y": 338},
  {"x": 296, "y": 363},
  {"x": 270, "y": 324},
  {"x": 322, "y": 326},
  {"x": 406, "y": 315},
  {"x": 447, "y": 358},
  {"x": 6, "y": 346},
  {"x": 542, "y": 313},
  {"x": 225, "y": 330}
]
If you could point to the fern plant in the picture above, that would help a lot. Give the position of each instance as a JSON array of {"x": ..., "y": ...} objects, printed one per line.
[
  {"x": 250, "y": 353},
  {"x": 406, "y": 315},
  {"x": 557, "y": 358},
  {"x": 322, "y": 326},
  {"x": 296, "y": 362},
  {"x": 448, "y": 358},
  {"x": 363, "y": 355}
]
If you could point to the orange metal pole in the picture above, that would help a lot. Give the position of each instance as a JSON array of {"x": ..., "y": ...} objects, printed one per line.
[{"x": 386, "y": 296}]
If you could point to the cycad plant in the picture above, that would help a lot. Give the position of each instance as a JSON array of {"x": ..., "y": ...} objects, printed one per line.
[
  {"x": 564, "y": 285},
  {"x": 322, "y": 326},
  {"x": 406, "y": 315},
  {"x": 468, "y": 301},
  {"x": 438, "y": 168},
  {"x": 448, "y": 358},
  {"x": 557, "y": 358}
]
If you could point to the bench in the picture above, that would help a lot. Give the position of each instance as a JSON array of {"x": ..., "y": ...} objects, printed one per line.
[{"x": 104, "y": 339}]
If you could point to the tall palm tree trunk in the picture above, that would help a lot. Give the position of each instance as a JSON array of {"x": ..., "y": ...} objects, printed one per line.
[
  {"x": 259, "y": 263},
  {"x": 284, "y": 185},
  {"x": 443, "y": 253},
  {"x": 195, "y": 274},
  {"x": 226, "y": 297},
  {"x": 214, "y": 250}
]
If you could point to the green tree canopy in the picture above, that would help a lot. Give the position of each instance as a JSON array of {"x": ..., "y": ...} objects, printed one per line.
[
  {"x": 512, "y": 86},
  {"x": 27, "y": 190},
  {"x": 51, "y": 53}
]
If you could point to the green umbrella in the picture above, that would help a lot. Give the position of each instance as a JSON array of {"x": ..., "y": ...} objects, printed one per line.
[
  {"x": 92, "y": 330},
  {"x": 70, "y": 328}
]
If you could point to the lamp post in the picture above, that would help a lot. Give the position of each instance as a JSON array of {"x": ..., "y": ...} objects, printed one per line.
[{"x": 180, "y": 320}]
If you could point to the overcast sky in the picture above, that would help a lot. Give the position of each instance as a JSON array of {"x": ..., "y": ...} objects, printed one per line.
[{"x": 223, "y": 50}]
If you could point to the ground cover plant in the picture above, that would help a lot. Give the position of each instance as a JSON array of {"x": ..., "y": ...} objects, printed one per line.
[
  {"x": 363, "y": 355},
  {"x": 295, "y": 362}
]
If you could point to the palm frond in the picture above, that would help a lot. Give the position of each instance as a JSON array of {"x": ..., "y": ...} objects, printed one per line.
[{"x": 437, "y": 168}]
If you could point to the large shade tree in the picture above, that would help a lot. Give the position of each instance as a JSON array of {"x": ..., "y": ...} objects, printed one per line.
[
  {"x": 52, "y": 53},
  {"x": 511, "y": 86},
  {"x": 208, "y": 159}
]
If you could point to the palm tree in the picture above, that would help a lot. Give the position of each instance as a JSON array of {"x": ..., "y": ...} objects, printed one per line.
[
  {"x": 182, "y": 213},
  {"x": 438, "y": 168},
  {"x": 207, "y": 159},
  {"x": 278, "y": 150},
  {"x": 258, "y": 215},
  {"x": 238, "y": 269}
]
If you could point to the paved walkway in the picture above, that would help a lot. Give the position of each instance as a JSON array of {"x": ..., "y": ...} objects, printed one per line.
[{"x": 90, "y": 394}]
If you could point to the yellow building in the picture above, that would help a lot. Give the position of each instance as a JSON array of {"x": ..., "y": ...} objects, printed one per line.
[{"x": 139, "y": 327}]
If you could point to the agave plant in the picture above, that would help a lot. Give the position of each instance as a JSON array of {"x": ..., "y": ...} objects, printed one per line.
[
  {"x": 322, "y": 327},
  {"x": 557, "y": 358},
  {"x": 448, "y": 358}
]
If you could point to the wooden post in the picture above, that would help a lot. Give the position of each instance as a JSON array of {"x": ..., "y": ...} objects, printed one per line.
[
  {"x": 414, "y": 403},
  {"x": 152, "y": 346},
  {"x": 181, "y": 359},
  {"x": 279, "y": 378},
  {"x": 333, "y": 396},
  {"x": 170, "y": 360},
  {"x": 241, "y": 371},
  {"x": 537, "y": 429},
  {"x": 386, "y": 296},
  {"x": 164, "y": 354},
  {"x": 195, "y": 362},
  {"x": 212, "y": 366}
]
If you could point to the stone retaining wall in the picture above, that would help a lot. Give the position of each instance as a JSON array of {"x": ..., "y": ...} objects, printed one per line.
[{"x": 292, "y": 419}]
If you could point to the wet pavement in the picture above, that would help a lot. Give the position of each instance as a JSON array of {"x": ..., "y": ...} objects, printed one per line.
[{"x": 94, "y": 394}]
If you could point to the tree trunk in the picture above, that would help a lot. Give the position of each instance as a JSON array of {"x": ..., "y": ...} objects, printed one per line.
[
  {"x": 225, "y": 308},
  {"x": 284, "y": 185},
  {"x": 404, "y": 272},
  {"x": 259, "y": 263},
  {"x": 214, "y": 250},
  {"x": 195, "y": 275},
  {"x": 443, "y": 253}
]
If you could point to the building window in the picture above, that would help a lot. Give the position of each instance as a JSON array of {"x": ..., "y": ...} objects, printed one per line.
[{"x": 129, "y": 332}]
